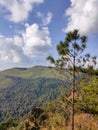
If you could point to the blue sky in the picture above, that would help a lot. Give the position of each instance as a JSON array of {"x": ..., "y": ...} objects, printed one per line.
[{"x": 31, "y": 29}]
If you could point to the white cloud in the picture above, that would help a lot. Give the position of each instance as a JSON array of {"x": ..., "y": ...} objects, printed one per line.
[
  {"x": 9, "y": 52},
  {"x": 83, "y": 15},
  {"x": 37, "y": 41},
  {"x": 34, "y": 42},
  {"x": 19, "y": 9},
  {"x": 45, "y": 19}
]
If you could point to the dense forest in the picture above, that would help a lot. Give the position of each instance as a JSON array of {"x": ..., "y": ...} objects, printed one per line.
[{"x": 22, "y": 94}]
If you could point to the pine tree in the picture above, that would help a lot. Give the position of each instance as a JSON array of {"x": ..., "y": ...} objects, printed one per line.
[{"x": 72, "y": 57}]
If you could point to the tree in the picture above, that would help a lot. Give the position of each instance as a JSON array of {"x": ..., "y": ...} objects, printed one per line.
[
  {"x": 72, "y": 59},
  {"x": 87, "y": 100},
  {"x": 38, "y": 117}
]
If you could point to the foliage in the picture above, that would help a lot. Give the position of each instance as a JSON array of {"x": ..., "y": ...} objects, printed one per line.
[
  {"x": 17, "y": 99},
  {"x": 87, "y": 99},
  {"x": 56, "y": 114},
  {"x": 8, "y": 124},
  {"x": 70, "y": 57},
  {"x": 38, "y": 117}
]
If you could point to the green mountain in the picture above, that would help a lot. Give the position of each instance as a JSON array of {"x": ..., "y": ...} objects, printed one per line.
[
  {"x": 26, "y": 95},
  {"x": 22, "y": 88}
]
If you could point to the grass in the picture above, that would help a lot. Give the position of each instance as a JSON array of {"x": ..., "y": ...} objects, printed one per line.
[
  {"x": 30, "y": 73},
  {"x": 5, "y": 82}
]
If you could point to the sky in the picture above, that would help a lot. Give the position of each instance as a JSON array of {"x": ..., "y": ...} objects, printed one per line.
[{"x": 31, "y": 29}]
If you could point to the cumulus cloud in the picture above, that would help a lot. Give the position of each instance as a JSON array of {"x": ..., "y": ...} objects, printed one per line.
[
  {"x": 45, "y": 19},
  {"x": 37, "y": 41},
  {"x": 10, "y": 52},
  {"x": 33, "y": 42},
  {"x": 83, "y": 15},
  {"x": 18, "y": 10}
]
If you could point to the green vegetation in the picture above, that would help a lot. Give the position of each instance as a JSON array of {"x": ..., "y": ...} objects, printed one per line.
[
  {"x": 55, "y": 115},
  {"x": 34, "y": 72},
  {"x": 87, "y": 99},
  {"x": 21, "y": 94},
  {"x": 71, "y": 57}
]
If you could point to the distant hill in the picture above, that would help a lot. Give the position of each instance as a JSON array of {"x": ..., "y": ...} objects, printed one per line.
[
  {"x": 27, "y": 73},
  {"x": 23, "y": 88}
]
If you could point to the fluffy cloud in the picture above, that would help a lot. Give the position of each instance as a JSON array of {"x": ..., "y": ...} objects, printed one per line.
[
  {"x": 83, "y": 15},
  {"x": 46, "y": 20},
  {"x": 37, "y": 41},
  {"x": 18, "y": 9},
  {"x": 33, "y": 42},
  {"x": 9, "y": 52}
]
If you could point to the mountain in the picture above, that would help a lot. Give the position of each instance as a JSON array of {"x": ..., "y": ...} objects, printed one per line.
[
  {"x": 24, "y": 88},
  {"x": 30, "y": 98}
]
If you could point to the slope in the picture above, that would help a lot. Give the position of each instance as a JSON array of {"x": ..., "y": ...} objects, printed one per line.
[{"x": 21, "y": 89}]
